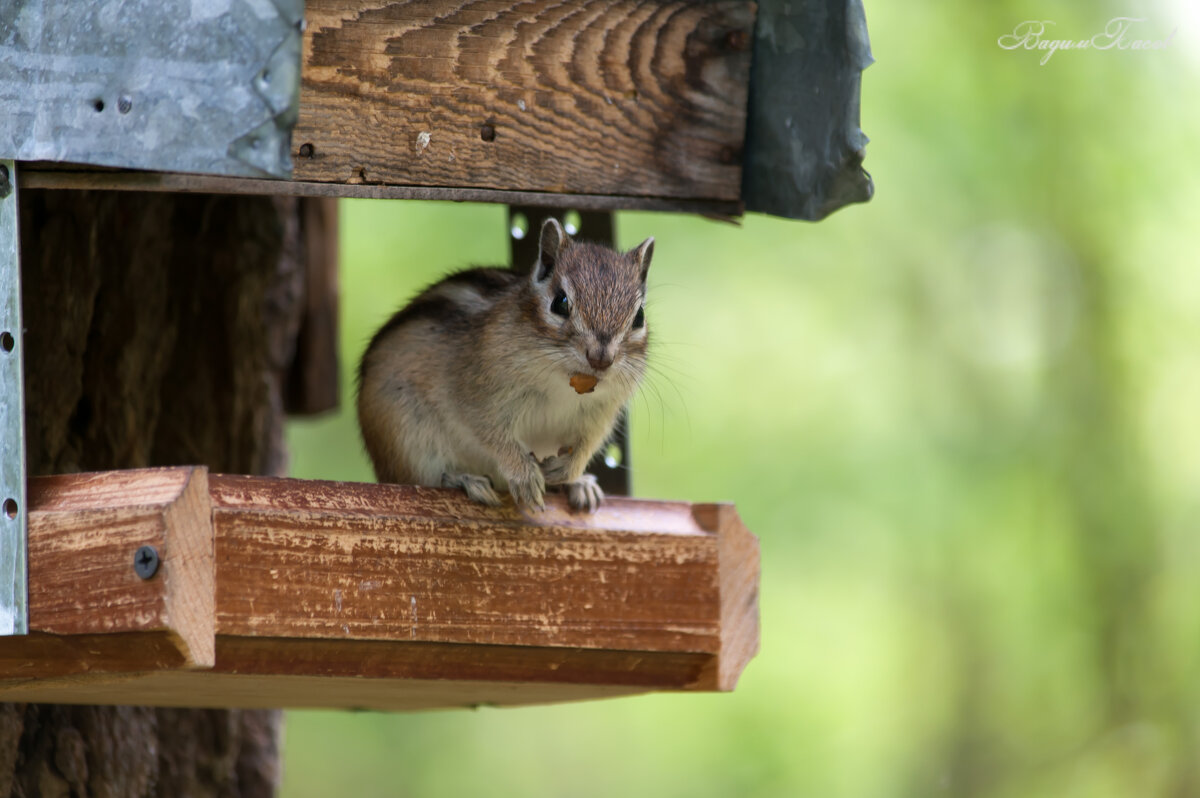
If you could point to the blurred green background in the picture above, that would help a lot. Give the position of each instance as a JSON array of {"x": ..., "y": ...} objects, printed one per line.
[{"x": 962, "y": 419}]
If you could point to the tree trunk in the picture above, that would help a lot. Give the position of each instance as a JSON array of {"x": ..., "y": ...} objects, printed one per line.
[{"x": 159, "y": 329}]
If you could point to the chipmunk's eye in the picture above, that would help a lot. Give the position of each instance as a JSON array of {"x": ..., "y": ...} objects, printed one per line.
[
  {"x": 640, "y": 319},
  {"x": 560, "y": 306}
]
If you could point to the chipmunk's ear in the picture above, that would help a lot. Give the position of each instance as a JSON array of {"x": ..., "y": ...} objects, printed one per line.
[
  {"x": 642, "y": 255},
  {"x": 551, "y": 245}
]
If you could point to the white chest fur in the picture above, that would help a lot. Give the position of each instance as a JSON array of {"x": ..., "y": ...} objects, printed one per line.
[{"x": 564, "y": 418}]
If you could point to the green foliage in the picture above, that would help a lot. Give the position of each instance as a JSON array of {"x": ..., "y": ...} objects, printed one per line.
[{"x": 961, "y": 418}]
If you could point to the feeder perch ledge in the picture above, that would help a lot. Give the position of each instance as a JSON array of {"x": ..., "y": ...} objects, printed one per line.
[{"x": 293, "y": 593}]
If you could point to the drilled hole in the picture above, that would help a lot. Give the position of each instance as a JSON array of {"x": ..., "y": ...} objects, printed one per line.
[
  {"x": 572, "y": 222},
  {"x": 98, "y": 104},
  {"x": 7, "y": 342},
  {"x": 520, "y": 226},
  {"x": 306, "y": 150},
  {"x": 487, "y": 133},
  {"x": 10, "y": 508}
]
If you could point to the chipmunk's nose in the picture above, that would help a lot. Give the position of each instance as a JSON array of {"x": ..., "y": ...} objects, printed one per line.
[{"x": 599, "y": 358}]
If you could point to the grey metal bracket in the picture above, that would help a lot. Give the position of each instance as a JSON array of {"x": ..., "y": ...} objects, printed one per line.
[
  {"x": 197, "y": 86},
  {"x": 14, "y": 518},
  {"x": 611, "y": 464}
]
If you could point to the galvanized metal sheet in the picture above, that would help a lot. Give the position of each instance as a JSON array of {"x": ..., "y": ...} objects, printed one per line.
[
  {"x": 203, "y": 86},
  {"x": 13, "y": 516},
  {"x": 804, "y": 147}
]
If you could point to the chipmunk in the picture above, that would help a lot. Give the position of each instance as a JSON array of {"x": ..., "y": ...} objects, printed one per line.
[{"x": 493, "y": 379}]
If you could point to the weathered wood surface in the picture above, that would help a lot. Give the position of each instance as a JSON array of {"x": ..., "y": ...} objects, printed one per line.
[
  {"x": 306, "y": 558},
  {"x": 589, "y": 104},
  {"x": 81, "y": 565},
  {"x": 568, "y": 96},
  {"x": 357, "y": 585}
]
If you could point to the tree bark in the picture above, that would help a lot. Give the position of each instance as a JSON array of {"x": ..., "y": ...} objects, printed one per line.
[{"x": 159, "y": 330}]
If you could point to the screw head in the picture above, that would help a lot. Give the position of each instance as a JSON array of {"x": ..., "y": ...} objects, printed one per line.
[
  {"x": 125, "y": 104},
  {"x": 145, "y": 562}
]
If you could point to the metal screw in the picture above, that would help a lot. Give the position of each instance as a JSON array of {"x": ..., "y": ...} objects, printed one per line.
[
  {"x": 125, "y": 103},
  {"x": 5, "y": 182},
  {"x": 145, "y": 562},
  {"x": 306, "y": 150}
]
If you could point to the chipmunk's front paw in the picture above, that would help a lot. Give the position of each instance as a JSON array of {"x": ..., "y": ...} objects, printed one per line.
[
  {"x": 557, "y": 467},
  {"x": 528, "y": 485},
  {"x": 477, "y": 488},
  {"x": 585, "y": 494}
]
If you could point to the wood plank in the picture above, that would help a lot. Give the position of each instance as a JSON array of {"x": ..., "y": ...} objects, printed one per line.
[
  {"x": 41, "y": 656},
  {"x": 217, "y": 690},
  {"x": 374, "y": 659},
  {"x": 384, "y": 596},
  {"x": 85, "y": 530},
  {"x": 55, "y": 176},
  {"x": 304, "y": 558},
  {"x": 609, "y": 97},
  {"x": 368, "y": 674}
]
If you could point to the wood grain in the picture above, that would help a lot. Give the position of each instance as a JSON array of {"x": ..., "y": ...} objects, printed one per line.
[
  {"x": 363, "y": 587},
  {"x": 624, "y": 97},
  {"x": 309, "y": 558},
  {"x": 84, "y": 532}
]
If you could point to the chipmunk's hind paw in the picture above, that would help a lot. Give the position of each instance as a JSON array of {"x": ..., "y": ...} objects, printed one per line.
[{"x": 585, "y": 494}]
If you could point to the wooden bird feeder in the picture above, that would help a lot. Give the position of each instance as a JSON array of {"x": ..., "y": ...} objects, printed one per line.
[
  {"x": 282, "y": 592},
  {"x": 177, "y": 587}
]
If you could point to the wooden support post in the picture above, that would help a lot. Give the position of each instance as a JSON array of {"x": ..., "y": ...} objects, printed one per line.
[
  {"x": 158, "y": 331},
  {"x": 386, "y": 596}
]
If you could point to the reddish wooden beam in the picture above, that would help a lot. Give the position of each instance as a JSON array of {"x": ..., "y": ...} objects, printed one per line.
[{"x": 339, "y": 594}]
